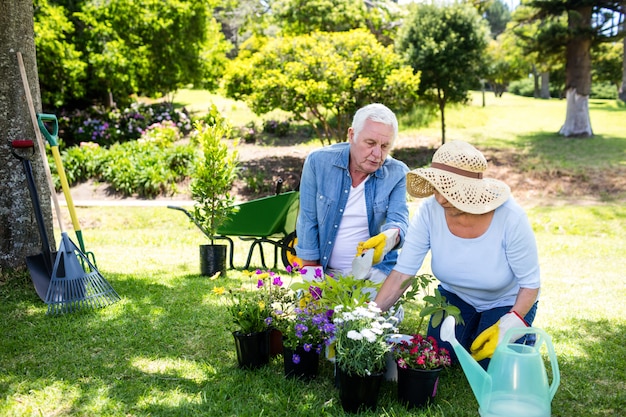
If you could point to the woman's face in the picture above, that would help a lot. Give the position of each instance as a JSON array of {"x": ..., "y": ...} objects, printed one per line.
[{"x": 447, "y": 206}]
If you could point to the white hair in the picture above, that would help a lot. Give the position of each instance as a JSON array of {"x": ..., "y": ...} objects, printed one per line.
[{"x": 375, "y": 112}]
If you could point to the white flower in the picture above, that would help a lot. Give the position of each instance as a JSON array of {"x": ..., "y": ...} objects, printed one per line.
[
  {"x": 354, "y": 335},
  {"x": 369, "y": 335},
  {"x": 377, "y": 330}
]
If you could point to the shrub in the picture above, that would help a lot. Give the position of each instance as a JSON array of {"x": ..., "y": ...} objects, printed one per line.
[{"x": 106, "y": 127}]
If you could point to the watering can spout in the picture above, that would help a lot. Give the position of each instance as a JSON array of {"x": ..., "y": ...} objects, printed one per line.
[{"x": 478, "y": 378}]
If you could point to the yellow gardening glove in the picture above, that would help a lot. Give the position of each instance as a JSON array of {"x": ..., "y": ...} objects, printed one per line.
[
  {"x": 486, "y": 342},
  {"x": 382, "y": 243}
]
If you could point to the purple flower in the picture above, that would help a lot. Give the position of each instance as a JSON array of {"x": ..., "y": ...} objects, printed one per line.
[
  {"x": 295, "y": 358},
  {"x": 259, "y": 283},
  {"x": 277, "y": 281},
  {"x": 268, "y": 321},
  {"x": 316, "y": 292},
  {"x": 307, "y": 347}
]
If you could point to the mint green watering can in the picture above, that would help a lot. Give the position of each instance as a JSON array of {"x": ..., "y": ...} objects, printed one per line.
[{"x": 515, "y": 383}]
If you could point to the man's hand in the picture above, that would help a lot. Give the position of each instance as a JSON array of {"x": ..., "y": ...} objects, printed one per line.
[
  {"x": 486, "y": 342},
  {"x": 382, "y": 243},
  {"x": 312, "y": 273}
]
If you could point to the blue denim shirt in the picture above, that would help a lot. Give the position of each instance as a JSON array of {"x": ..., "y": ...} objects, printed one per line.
[{"x": 324, "y": 189}]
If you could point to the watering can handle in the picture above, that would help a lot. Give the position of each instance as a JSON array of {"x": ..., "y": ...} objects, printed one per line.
[
  {"x": 517, "y": 332},
  {"x": 51, "y": 137}
]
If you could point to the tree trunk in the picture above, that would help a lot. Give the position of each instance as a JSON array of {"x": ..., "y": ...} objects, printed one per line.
[
  {"x": 536, "y": 91},
  {"x": 19, "y": 235},
  {"x": 578, "y": 75},
  {"x": 577, "y": 123},
  {"x": 545, "y": 85},
  {"x": 622, "y": 90},
  {"x": 441, "y": 98}
]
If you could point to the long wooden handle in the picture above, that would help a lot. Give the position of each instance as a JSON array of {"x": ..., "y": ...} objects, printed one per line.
[{"x": 40, "y": 142}]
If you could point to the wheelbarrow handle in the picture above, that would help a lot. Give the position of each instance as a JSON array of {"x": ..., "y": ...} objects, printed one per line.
[
  {"x": 194, "y": 220},
  {"x": 51, "y": 136}
]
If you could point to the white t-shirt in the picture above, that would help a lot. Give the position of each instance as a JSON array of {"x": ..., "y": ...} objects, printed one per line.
[{"x": 352, "y": 230}]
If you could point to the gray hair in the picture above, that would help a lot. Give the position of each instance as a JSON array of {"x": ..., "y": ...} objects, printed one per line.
[{"x": 375, "y": 112}]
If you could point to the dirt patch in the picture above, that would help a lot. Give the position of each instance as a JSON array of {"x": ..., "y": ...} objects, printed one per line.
[{"x": 264, "y": 166}]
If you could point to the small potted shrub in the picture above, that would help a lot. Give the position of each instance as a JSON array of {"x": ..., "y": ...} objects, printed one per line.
[{"x": 211, "y": 185}]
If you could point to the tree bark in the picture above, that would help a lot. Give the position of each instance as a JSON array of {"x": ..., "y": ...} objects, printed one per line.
[
  {"x": 577, "y": 122},
  {"x": 622, "y": 90},
  {"x": 545, "y": 84},
  {"x": 578, "y": 75},
  {"x": 19, "y": 236}
]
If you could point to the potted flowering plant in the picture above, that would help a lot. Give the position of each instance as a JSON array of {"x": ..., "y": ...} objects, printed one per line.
[
  {"x": 306, "y": 329},
  {"x": 251, "y": 309},
  {"x": 419, "y": 359},
  {"x": 361, "y": 347},
  {"x": 420, "y": 352}
]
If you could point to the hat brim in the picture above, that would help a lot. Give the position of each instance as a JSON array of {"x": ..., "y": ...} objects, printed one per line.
[{"x": 471, "y": 195}]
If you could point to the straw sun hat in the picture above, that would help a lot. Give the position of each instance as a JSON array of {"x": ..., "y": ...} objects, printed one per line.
[{"x": 457, "y": 173}]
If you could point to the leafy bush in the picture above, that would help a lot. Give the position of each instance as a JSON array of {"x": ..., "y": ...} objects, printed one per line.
[
  {"x": 274, "y": 127},
  {"x": 147, "y": 167},
  {"x": 524, "y": 87},
  {"x": 603, "y": 90},
  {"x": 104, "y": 127}
]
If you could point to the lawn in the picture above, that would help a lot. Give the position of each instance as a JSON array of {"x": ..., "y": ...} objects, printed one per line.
[{"x": 165, "y": 349}]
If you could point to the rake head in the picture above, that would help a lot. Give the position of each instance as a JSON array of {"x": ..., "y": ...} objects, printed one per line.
[{"x": 72, "y": 288}]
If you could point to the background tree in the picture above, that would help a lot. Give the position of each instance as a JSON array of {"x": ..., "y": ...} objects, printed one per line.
[
  {"x": 18, "y": 229},
  {"x": 300, "y": 17},
  {"x": 588, "y": 22},
  {"x": 608, "y": 62},
  {"x": 322, "y": 78},
  {"x": 62, "y": 77},
  {"x": 147, "y": 47},
  {"x": 506, "y": 63},
  {"x": 497, "y": 15},
  {"x": 446, "y": 44}
]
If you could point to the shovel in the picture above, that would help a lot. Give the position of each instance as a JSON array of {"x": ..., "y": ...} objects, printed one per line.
[
  {"x": 52, "y": 138},
  {"x": 40, "y": 266},
  {"x": 362, "y": 264}
]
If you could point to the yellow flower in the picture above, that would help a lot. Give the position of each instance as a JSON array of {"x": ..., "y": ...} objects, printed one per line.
[
  {"x": 219, "y": 290},
  {"x": 263, "y": 275},
  {"x": 262, "y": 305}
]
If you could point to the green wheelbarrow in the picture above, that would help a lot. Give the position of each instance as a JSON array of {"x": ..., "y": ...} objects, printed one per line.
[{"x": 269, "y": 219}]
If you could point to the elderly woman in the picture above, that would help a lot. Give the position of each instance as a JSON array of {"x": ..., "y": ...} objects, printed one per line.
[{"x": 482, "y": 247}]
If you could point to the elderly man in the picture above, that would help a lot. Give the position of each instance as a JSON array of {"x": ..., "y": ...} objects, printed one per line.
[{"x": 353, "y": 199}]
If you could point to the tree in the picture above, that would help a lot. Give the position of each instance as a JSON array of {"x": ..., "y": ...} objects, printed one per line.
[
  {"x": 321, "y": 78},
  {"x": 498, "y": 15},
  {"x": 300, "y": 17},
  {"x": 147, "y": 47},
  {"x": 588, "y": 21},
  {"x": 607, "y": 61},
  {"x": 62, "y": 74},
  {"x": 506, "y": 63},
  {"x": 18, "y": 229},
  {"x": 446, "y": 44}
]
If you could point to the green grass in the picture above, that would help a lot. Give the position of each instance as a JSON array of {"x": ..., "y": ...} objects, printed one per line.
[{"x": 166, "y": 350}]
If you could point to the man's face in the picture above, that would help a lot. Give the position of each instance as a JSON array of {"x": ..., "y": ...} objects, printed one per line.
[{"x": 369, "y": 150}]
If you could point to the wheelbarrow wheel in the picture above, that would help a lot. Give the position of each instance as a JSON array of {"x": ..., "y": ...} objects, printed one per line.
[{"x": 288, "y": 253}]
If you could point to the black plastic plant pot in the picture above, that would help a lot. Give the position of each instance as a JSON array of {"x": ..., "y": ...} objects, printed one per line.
[{"x": 212, "y": 259}]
